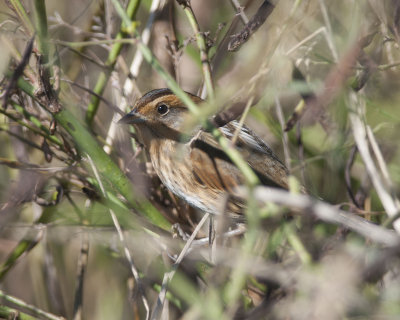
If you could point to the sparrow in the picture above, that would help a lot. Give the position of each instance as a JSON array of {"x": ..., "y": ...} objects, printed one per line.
[{"x": 191, "y": 163}]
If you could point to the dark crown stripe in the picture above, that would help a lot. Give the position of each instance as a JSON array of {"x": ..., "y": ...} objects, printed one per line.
[
  {"x": 152, "y": 95},
  {"x": 156, "y": 93}
]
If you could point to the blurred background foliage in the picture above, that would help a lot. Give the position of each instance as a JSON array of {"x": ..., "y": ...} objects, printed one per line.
[{"x": 68, "y": 173}]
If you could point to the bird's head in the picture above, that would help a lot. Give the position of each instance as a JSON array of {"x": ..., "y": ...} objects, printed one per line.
[{"x": 158, "y": 114}]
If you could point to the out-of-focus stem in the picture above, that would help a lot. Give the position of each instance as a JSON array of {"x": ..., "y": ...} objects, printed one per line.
[
  {"x": 41, "y": 29},
  {"x": 102, "y": 80},
  {"x": 201, "y": 42},
  {"x": 23, "y": 16}
]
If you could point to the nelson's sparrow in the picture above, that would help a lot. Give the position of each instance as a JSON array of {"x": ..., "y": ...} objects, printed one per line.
[{"x": 192, "y": 164}]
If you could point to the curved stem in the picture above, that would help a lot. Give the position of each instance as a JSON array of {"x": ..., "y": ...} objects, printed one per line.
[
  {"x": 201, "y": 43},
  {"x": 131, "y": 10}
]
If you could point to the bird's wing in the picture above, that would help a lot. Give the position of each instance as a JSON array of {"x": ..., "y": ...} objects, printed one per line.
[
  {"x": 220, "y": 169},
  {"x": 211, "y": 166},
  {"x": 213, "y": 170},
  {"x": 260, "y": 157}
]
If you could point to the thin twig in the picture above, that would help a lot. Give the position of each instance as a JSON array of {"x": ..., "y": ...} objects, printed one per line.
[
  {"x": 301, "y": 154},
  {"x": 19, "y": 10},
  {"x": 18, "y": 72},
  {"x": 285, "y": 138},
  {"x": 241, "y": 229},
  {"x": 360, "y": 129},
  {"x": 306, "y": 39},
  {"x": 347, "y": 176},
  {"x": 328, "y": 213},
  {"x": 124, "y": 243},
  {"x": 379, "y": 157},
  {"x": 329, "y": 36},
  {"x": 252, "y": 26},
  {"x": 82, "y": 266},
  {"x": 156, "y": 6},
  {"x": 87, "y": 57},
  {"x": 81, "y": 44},
  {"x": 242, "y": 119},
  {"x": 60, "y": 23},
  {"x": 240, "y": 11},
  {"x": 44, "y": 132},
  {"x": 102, "y": 80},
  {"x": 31, "y": 239},
  {"x": 108, "y": 103},
  {"x": 129, "y": 84},
  {"x": 31, "y": 308},
  {"x": 169, "y": 275},
  {"x": 201, "y": 43}
]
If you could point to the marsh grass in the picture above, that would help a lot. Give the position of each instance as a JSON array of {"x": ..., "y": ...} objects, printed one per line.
[{"x": 87, "y": 230}]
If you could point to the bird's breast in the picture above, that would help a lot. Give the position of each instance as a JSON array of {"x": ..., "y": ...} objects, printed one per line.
[{"x": 171, "y": 162}]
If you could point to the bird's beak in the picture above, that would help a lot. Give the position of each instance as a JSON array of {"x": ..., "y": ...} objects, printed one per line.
[{"x": 132, "y": 117}]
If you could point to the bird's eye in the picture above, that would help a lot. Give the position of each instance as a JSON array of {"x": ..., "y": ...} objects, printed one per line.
[{"x": 162, "y": 109}]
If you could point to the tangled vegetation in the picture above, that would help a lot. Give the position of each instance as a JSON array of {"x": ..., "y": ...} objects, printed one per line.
[{"x": 87, "y": 230}]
